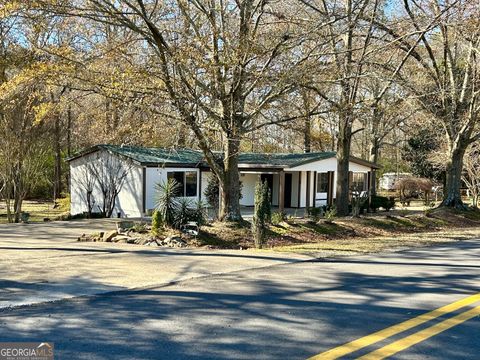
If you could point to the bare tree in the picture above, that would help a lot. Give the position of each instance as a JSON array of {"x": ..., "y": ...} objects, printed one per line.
[
  {"x": 110, "y": 175},
  {"x": 86, "y": 182},
  {"x": 351, "y": 48},
  {"x": 220, "y": 64},
  {"x": 442, "y": 74},
  {"x": 471, "y": 174},
  {"x": 23, "y": 152}
]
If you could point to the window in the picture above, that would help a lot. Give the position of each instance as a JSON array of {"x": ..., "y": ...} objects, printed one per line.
[
  {"x": 322, "y": 182},
  {"x": 191, "y": 183},
  {"x": 358, "y": 181},
  {"x": 187, "y": 181}
]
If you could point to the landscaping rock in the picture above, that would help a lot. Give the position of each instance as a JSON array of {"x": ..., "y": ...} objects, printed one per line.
[
  {"x": 123, "y": 226},
  {"x": 108, "y": 236},
  {"x": 84, "y": 238},
  {"x": 144, "y": 241},
  {"x": 174, "y": 241},
  {"x": 152, "y": 242},
  {"x": 120, "y": 239}
]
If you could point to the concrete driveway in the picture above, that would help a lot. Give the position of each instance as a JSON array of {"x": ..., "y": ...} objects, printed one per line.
[{"x": 44, "y": 262}]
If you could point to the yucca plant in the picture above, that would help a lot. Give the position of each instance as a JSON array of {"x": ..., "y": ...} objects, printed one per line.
[
  {"x": 167, "y": 201},
  {"x": 184, "y": 213}
]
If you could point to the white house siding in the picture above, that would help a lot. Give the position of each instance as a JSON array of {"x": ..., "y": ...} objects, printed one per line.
[
  {"x": 249, "y": 181},
  {"x": 320, "y": 166},
  {"x": 129, "y": 201},
  {"x": 295, "y": 176},
  {"x": 303, "y": 188},
  {"x": 158, "y": 175}
]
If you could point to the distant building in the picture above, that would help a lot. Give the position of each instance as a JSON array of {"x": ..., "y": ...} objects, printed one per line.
[{"x": 388, "y": 180}]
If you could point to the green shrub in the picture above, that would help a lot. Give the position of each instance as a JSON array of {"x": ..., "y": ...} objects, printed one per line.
[
  {"x": 262, "y": 213},
  {"x": 278, "y": 217},
  {"x": 359, "y": 202},
  {"x": 174, "y": 211},
  {"x": 139, "y": 227},
  {"x": 184, "y": 213},
  {"x": 330, "y": 214},
  {"x": 199, "y": 213},
  {"x": 212, "y": 193},
  {"x": 157, "y": 223},
  {"x": 314, "y": 213},
  {"x": 167, "y": 201},
  {"x": 387, "y": 203}
]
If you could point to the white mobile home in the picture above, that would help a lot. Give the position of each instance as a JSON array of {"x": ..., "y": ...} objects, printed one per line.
[{"x": 296, "y": 180}]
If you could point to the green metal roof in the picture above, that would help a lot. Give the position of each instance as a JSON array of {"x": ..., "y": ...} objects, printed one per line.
[
  {"x": 283, "y": 160},
  {"x": 146, "y": 155},
  {"x": 187, "y": 157}
]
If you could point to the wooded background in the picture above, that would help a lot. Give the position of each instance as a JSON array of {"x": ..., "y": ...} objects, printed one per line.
[{"x": 394, "y": 82}]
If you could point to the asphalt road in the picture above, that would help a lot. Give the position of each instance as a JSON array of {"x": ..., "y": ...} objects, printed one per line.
[
  {"x": 289, "y": 310},
  {"x": 44, "y": 262}
]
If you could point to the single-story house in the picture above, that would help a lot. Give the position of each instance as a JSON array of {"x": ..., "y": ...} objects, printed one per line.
[{"x": 296, "y": 180}]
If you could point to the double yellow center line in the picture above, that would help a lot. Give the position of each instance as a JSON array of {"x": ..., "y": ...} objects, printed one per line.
[{"x": 410, "y": 340}]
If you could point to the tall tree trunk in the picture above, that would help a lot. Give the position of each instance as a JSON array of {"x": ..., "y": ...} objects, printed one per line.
[
  {"x": 343, "y": 159},
  {"x": 452, "y": 196},
  {"x": 57, "y": 183},
  {"x": 307, "y": 130},
  {"x": 230, "y": 184},
  {"x": 17, "y": 206},
  {"x": 307, "y": 137},
  {"x": 374, "y": 150},
  {"x": 69, "y": 130},
  {"x": 8, "y": 205}
]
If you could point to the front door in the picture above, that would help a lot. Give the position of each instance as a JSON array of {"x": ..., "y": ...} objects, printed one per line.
[{"x": 287, "y": 194}]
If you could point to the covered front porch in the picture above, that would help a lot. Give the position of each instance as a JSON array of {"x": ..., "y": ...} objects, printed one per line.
[{"x": 289, "y": 189}]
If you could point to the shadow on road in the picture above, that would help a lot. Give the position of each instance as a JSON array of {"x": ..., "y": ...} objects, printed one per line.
[{"x": 288, "y": 312}]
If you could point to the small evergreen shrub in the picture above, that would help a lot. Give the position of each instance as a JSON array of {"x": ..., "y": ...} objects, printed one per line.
[
  {"x": 262, "y": 213},
  {"x": 314, "y": 213},
  {"x": 212, "y": 193},
  {"x": 157, "y": 223},
  {"x": 278, "y": 217},
  {"x": 330, "y": 214}
]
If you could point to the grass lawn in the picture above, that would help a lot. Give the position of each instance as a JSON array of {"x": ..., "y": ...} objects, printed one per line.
[
  {"x": 38, "y": 210},
  {"x": 383, "y": 243},
  {"x": 367, "y": 234},
  {"x": 345, "y": 236}
]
